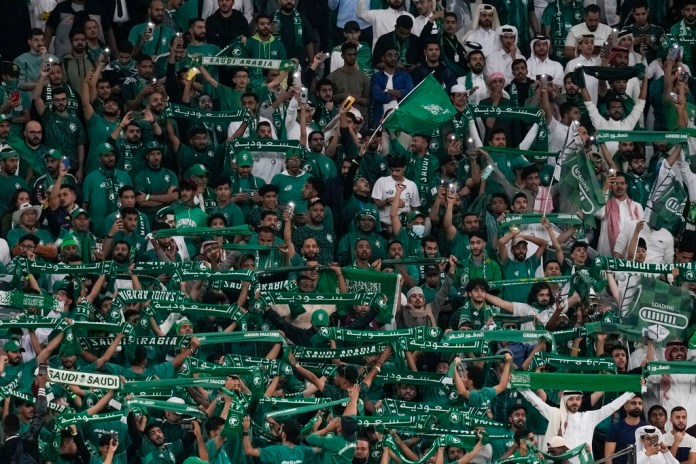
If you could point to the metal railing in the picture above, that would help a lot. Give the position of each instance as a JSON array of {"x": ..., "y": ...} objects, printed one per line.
[{"x": 630, "y": 451}]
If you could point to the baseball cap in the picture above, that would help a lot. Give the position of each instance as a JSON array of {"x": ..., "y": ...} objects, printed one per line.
[
  {"x": 413, "y": 215},
  {"x": 432, "y": 270},
  {"x": 320, "y": 318},
  {"x": 53, "y": 153},
  {"x": 70, "y": 241},
  {"x": 10, "y": 69},
  {"x": 77, "y": 212},
  {"x": 557, "y": 442},
  {"x": 152, "y": 145},
  {"x": 13, "y": 345},
  {"x": 196, "y": 170},
  {"x": 105, "y": 148},
  {"x": 517, "y": 240},
  {"x": 243, "y": 158},
  {"x": 458, "y": 89}
]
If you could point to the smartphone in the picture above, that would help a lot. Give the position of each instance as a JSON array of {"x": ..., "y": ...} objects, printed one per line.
[
  {"x": 674, "y": 52},
  {"x": 348, "y": 102},
  {"x": 654, "y": 440},
  {"x": 66, "y": 163},
  {"x": 43, "y": 369},
  {"x": 137, "y": 115},
  {"x": 41, "y": 191},
  {"x": 303, "y": 95},
  {"x": 470, "y": 147},
  {"x": 452, "y": 190},
  {"x": 291, "y": 208},
  {"x": 150, "y": 28}
]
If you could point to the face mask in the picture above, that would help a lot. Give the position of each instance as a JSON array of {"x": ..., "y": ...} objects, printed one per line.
[{"x": 418, "y": 229}]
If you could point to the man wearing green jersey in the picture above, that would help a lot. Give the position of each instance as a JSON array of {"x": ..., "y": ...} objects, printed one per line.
[
  {"x": 156, "y": 186},
  {"x": 338, "y": 448},
  {"x": 287, "y": 452}
]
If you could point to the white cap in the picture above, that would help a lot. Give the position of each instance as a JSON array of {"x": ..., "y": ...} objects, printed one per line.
[
  {"x": 556, "y": 442},
  {"x": 414, "y": 291},
  {"x": 458, "y": 89},
  {"x": 176, "y": 400},
  {"x": 356, "y": 113}
]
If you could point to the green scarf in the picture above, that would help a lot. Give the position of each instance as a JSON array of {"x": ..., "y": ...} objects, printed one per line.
[
  {"x": 536, "y": 154},
  {"x": 282, "y": 65},
  {"x": 111, "y": 189},
  {"x": 298, "y": 410},
  {"x": 582, "y": 382},
  {"x": 302, "y": 352},
  {"x": 535, "y": 218},
  {"x": 573, "y": 364},
  {"x": 173, "y": 110},
  {"x": 580, "y": 451},
  {"x": 669, "y": 367},
  {"x": 527, "y": 280},
  {"x": 678, "y": 136},
  {"x": 531, "y": 115},
  {"x": 19, "y": 299},
  {"x": 140, "y": 404},
  {"x": 359, "y": 336},
  {"x": 296, "y": 23},
  {"x": 204, "y": 231},
  {"x": 81, "y": 379}
]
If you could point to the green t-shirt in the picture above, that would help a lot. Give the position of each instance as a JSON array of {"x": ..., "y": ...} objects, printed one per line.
[
  {"x": 14, "y": 235},
  {"x": 102, "y": 201},
  {"x": 233, "y": 214},
  {"x": 23, "y": 372},
  {"x": 481, "y": 398},
  {"x": 65, "y": 133},
  {"x": 8, "y": 186},
  {"x": 159, "y": 43},
  {"x": 336, "y": 450},
  {"x": 154, "y": 182},
  {"x": 98, "y": 130},
  {"x": 280, "y": 454},
  {"x": 168, "y": 454},
  {"x": 215, "y": 455},
  {"x": 514, "y": 269},
  {"x": 291, "y": 189}
]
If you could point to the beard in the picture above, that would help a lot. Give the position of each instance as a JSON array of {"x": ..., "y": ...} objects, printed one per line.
[{"x": 635, "y": 413}]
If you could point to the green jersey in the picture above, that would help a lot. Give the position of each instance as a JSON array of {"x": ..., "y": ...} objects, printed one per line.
[
  {"x": 272, "y": 49},
  {"x": 336, "y": 450},
  {"x": 319, "y": 165},
  {"x": 188, "y": 216},
  {"x": 291, "y": 189},
  {"x": 99, "y": 130},
  {"x": 154, "y": 182},
  {"x": 325, "y": 239},
  {"x": 22, "y": 372},
  {"x": 15, "y": 234},
  {"x": 65, "y": 133},
  {"x": 281, "y": 454},
  {"x": 29, "y": 158},
  {"x": 131, "y": 158},
  {"x": 212, "y": 158},
  {"x": 685, "y": 36},
  {"x": 159, "y": 43},
  {"x": 513, "y": 269},
  {"x": 233, "y": 214},
  {"x": 137, "y": 242},
  {"x": 561, "y": 16},
  {"x": 100, "y": 192},
  {"x": 345, "y": 252},
  {"x": 8, "y": 186},
  {"x": 216, "y": 455},
  {"x": 164, "y": 370}
]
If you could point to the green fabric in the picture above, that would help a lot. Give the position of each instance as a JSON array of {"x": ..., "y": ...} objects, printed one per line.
[
  {"x": 513, "y": 269},
  {"x": 422, "y": 110},
  {"x": 336, "y": 450},
  {"x": 561, "y": 16},
  {"x": 666, "y": 203},
  {"x": 100, "y": 192},
  {"x": 582, "y": 382},
  {"x": 579, "y": 186},
  {"x": 646, "y": 302}
]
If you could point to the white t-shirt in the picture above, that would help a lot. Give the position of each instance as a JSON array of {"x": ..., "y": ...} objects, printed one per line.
[{"x": 385, "y": 187}]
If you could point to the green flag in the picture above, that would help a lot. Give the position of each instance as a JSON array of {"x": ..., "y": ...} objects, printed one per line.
[
  {"x": 372, "y": 281},
  {"x": 665, "y": 208},
  {"x": 185, "y": 13},
  {"x": 657, "y": 307},
  {"x": 579, "y": 186},
  {"x": 423, "y": 110}
]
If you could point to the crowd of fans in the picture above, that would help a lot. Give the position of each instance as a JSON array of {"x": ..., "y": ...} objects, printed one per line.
[{"x": 123, "y": 145}]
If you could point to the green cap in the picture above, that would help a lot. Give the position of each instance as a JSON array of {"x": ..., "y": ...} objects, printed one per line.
[
  {"x": 13, "y": 345},
  {"x": 292, "y": 153},
  {"x": 152, "y": 145},
  {"x": 195, "y": 170},
  {"x": 62, "y": 285},
  {"x": 4, "y": 117},
  {"x": 243, "y": 158},
  {"x": 53, "y": 153},
  {"x": 77, "y": 212},
  {"x": 69, "y": 349},
  {"x": 413, "y": 215},
  {"x": 366, "y": 213},
  {"x": 7, "y": 153},
  {"x": 320, "y": 318},
  {"x": 70, "y": 241},
  {"x": 105, "y": 148}
]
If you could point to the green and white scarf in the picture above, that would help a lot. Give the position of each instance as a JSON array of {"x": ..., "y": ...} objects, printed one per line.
[
  {"x": 111, "y": 188},
  {"x": 296, "y": 23}
]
